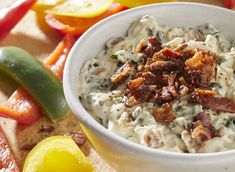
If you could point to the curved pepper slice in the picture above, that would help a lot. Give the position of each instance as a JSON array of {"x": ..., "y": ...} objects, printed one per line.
[
  {"x": 42, "y": 5},
  {"x": 57, "y": 153},
  {"x": 229, "y": 3},
  {"x": 39, "y": 81},
  {"x": 11, "y": 15},
  {"x": 77, "y": 26},
  {"x": 7, "y": 162},
  {"x": 81, "y": 8},
  {"x": 21, "y": 106}
]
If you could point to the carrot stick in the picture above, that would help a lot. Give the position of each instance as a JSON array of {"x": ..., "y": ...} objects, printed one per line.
[{"x": 57, "y": 59}]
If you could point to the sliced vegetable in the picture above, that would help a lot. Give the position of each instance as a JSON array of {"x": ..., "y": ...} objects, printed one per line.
[
  {"x": 57, "y": 59},
  {"x": 77, "y": 26},
  {"x": 42, "y": 5},
  {"x": 21, "y": 107},
  {"x": 57, "y": 154},
  {"x": 135, "y": 3},
  {"x": 10, "y": 16},
  {"x": 229, "y": 3},
  {"x": 81, "y": 8},
  {"x": 39, "y": 82},
  {"x": 7, "y": 162}
]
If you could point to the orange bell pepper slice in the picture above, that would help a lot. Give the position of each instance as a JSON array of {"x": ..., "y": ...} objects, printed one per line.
[
  {"x": 21, "y": 106},
  {"x": 77, "y": 26}
]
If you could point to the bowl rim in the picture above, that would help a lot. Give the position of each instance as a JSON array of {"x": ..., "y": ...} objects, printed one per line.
[{"x": 87, "y": 120}]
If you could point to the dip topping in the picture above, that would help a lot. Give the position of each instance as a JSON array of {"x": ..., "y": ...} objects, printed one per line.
[
  {"x": 201, "y": 125},
  {"x": 216, "y": 103},
  {"x": 165, "y": 74}
]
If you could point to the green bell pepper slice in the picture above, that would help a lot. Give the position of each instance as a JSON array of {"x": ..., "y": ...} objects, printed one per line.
[{"x": 45, "y": 88}]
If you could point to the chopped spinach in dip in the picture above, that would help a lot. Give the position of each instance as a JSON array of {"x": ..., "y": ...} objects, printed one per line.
[{"x": 165, "y": 88}]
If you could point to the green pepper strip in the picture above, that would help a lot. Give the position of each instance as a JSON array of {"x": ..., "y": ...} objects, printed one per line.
[{"x": 39, "y": 81}]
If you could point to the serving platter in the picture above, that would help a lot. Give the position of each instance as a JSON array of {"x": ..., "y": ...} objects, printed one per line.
[{"x": 39, "y": 40}]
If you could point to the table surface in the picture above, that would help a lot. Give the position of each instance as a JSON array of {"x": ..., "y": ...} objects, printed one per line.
[{"x": 23, "y": 138}]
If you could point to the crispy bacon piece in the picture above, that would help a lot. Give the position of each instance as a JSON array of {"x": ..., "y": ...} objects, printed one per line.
[
  {"x": 164, "y": 114},
  {"x": 171, "y": 53},
  {"x": 204, "y": 118},
  {"x": 201, "y": 125},
  {"x": 170, "y": 78},
  {"x": 169, "y": 92},
  {"x": 182, "y": 81},
  {"x": 181, "y": 47},
  {"x": 151, "y": 78},
  {"x": 155, "y": 42},
  {"x": 154, "y": 46},
  {"x": 142, "y": 93},
  {"x": 199, "y": 60},
  {"x": 194, "y": 78},
  {"x": 189, "y": 53},
  {"x": 202, "y": 63},
  {"x": 166, "y": 54},
  {"x": 160, "y": 66},
  {"x": 122, "y": 73},
  {"x": 132, "y": 84},
  {"x": 215, "y": 103}
]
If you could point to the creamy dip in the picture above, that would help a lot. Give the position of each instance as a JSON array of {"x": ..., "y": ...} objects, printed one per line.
[{"x": 188, "y": 131}]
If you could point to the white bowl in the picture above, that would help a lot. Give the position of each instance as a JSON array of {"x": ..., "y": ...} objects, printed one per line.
[{"x": 124, "y": 155}]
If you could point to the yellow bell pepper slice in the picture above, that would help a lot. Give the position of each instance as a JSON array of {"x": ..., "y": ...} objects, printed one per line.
[
  {"x": 42, "y": 5},
  {"x": 57, "y": 154},
  {"x": 135, "y": 3},
  {"x": 80, "y": 8}
]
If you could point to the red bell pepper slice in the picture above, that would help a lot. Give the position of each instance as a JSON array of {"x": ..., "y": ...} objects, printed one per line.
[
  {"x": 7, "y": 162},
  {"x": 11, "y": 15},
  {"x": 229, "y": 3},
  {"x": 21, "y": 106}
]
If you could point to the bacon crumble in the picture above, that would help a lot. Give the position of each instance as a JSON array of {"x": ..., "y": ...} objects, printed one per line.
[
  {"x": 164, "y": 114},
  {"x": 165, "y": 75},
  {"x": 208, "y": 100},
  {"x": 201, "y": 125}
]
